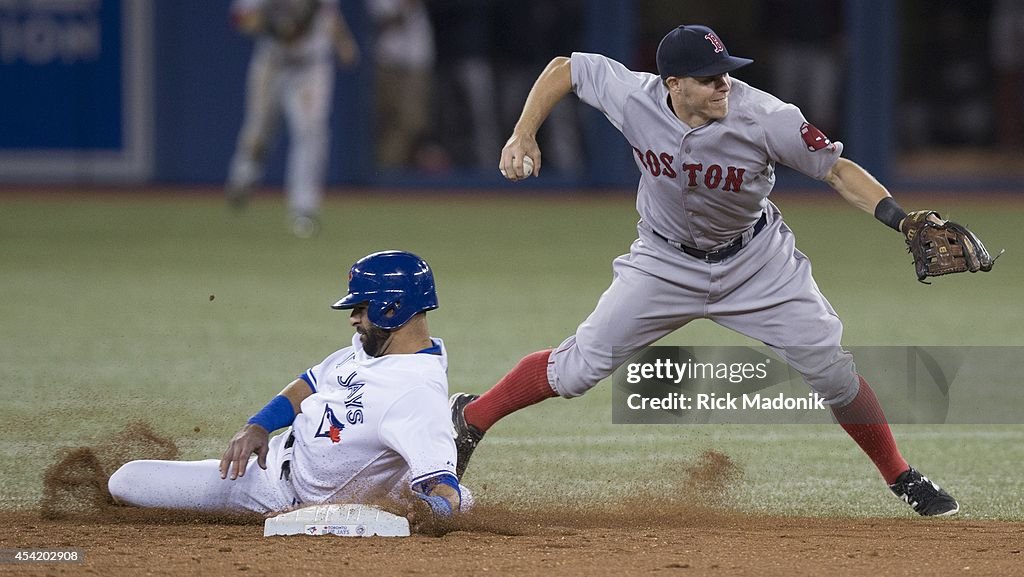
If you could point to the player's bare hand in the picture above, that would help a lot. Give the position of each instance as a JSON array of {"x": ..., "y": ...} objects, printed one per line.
[
  {"x": 518, "y": 147},
  {"x": 250, "y": 439}
]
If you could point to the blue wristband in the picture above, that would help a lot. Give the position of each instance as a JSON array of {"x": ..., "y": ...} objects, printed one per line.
[{"x": 277, "y": 414}]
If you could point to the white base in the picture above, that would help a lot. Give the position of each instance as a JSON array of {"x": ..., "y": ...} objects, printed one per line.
[{"x": 342, "y": 520}]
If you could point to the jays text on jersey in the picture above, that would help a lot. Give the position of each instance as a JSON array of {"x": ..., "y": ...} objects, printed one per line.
[
  {"x": 371, "y": 422},
  {"x": 372, "y": 427}
]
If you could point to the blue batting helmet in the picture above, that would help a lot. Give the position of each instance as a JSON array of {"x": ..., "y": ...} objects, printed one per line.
[{"x": 394, "y": 284}]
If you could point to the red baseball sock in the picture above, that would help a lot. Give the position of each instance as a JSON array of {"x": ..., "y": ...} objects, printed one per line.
[
  {"x": 524, "y": 385},
  {"x": 864, "y": 420}
]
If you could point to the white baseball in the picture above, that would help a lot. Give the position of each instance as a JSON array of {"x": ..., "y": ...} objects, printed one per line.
[{"x": 527, "y": 166}]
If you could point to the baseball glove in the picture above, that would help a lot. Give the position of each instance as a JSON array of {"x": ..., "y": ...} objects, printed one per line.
[{"x": 943, "y": 247}]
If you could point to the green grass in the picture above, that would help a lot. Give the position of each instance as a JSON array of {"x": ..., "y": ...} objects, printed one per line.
[{"x": 106, "y": 317}]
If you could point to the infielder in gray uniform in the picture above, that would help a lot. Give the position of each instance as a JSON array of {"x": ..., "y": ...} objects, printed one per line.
[
  {"x": 291, "y": 73},
  {"x": 711, "y": 245}
]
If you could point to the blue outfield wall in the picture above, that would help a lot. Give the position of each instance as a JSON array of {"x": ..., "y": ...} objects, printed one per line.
[
  {"x": 61, "y": 50},
  {"x": 200, "y": 64},
  {"x": 75, "y": 104},
  {"x": 199, "y": 83},
  {"x": 183, "y": 68}
]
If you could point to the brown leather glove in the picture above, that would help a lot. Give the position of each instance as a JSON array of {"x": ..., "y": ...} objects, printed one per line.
[{"x": 943, "y": 247}]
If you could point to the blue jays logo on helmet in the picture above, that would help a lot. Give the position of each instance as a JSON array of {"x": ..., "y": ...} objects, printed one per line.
[{"x": 395, "y": 285}]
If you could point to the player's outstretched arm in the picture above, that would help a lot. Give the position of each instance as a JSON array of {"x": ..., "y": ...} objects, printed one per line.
[
  {"x": 553, "y": 84},
  {"x": 862, "y": 190},
  {"x": 938, "y": 246},
  {"x": 856, "y": 185},
  {"x": 254, "y": 437}
]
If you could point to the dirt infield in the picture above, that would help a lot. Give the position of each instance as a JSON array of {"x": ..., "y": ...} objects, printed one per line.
[
  {"x": 678, "y": 541},
  {"x": 689, "y": 532}
]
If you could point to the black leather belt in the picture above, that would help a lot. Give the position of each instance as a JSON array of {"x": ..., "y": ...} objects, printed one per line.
[{"x": 717, "y": 255}]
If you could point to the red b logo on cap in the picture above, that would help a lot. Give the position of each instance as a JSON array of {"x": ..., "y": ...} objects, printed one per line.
[{"x": 715, "y": 41}]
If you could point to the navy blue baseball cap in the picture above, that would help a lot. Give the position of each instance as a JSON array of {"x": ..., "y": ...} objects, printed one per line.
[{"x": 695, "y": 51}]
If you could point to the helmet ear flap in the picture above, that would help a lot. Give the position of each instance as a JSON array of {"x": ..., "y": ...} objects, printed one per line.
[
  {"x": 382, "y": 313},
  {"x": 391, "y": 309}
]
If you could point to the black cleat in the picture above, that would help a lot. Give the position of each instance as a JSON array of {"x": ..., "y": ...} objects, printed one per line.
[
  {"x": 923, "y": 495},
  {"x": 466, "y": 436}
]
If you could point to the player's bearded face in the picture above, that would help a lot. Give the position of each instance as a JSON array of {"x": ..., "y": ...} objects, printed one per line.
[{"x": 373, "y": 338}]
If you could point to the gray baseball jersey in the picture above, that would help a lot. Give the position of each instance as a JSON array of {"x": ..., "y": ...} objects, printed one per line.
[{"x": 704, "y": 187}]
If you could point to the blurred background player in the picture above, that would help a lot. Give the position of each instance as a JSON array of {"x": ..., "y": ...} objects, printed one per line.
[
  {"x": 369, "y": 421},
  {"x": 1007, "y": 53},
  {"x": 404, "y": 54},
  {"x": 291, "y": 73},
  {"x": 466, "y": 125}
]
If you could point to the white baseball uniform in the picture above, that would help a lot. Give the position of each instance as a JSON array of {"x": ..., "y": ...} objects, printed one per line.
[
  {"x": 372, "y": 427},
  {"x": 707, "y": 188},
  {"x": 295, "y": 79}
]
